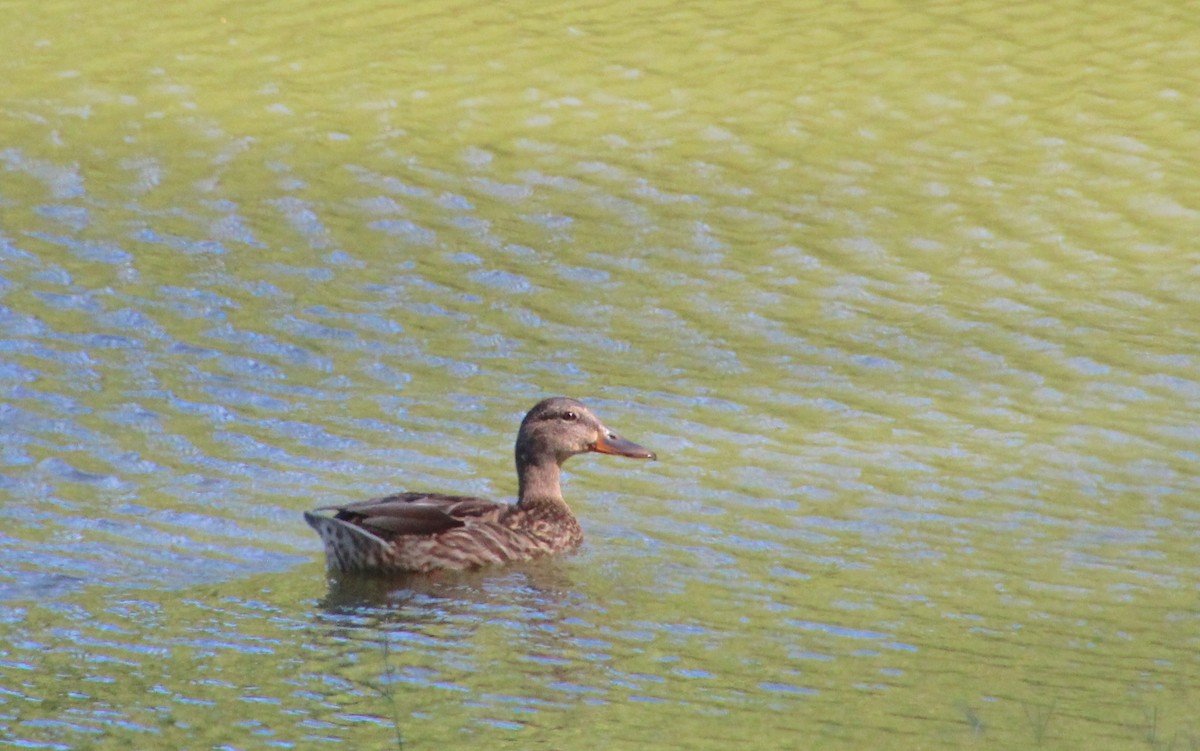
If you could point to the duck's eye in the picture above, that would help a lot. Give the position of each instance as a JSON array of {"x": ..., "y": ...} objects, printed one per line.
[{"x": 570, "y": 416}]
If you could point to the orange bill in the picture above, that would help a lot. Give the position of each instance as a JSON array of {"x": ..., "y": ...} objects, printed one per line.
[{"x": 611, "y": 443}]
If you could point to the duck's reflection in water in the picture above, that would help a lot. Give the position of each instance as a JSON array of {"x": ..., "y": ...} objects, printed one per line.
[{"x": 464, "y": 630}]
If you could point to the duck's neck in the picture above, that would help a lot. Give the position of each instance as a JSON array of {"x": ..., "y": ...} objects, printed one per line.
[{"x": 538, "y": 483}]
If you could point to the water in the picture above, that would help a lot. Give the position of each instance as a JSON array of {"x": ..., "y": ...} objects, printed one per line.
[{"x": 903, "y": 297}]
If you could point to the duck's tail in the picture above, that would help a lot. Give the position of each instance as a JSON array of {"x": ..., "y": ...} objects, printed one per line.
[{"x": 348, "y": 547}]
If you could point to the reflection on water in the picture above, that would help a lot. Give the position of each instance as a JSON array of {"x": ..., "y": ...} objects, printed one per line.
[
  {"x": 902, "y": 295},
  {"x": 534, "y": 584}
]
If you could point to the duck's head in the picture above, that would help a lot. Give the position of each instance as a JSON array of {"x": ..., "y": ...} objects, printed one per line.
[{"x": 561, "y": 427}]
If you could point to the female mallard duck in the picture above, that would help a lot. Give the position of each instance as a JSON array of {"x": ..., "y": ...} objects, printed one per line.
[{"x": 420, "y": 532}]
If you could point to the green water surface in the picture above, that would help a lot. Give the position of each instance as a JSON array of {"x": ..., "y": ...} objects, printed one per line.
[{"x": 903, "y": 295}]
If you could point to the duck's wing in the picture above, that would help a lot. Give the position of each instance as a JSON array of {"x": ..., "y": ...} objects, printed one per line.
[{"x": 417, "y": 513}]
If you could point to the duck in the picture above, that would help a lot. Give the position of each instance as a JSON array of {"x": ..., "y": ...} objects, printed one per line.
[{"x": 414, "y": 532}]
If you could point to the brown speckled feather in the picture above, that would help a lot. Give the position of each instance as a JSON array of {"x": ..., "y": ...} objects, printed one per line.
[{"x": 417, "y": 513}]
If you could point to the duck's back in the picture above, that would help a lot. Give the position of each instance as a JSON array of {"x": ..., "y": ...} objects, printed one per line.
[{"x": 422, "y": 532}]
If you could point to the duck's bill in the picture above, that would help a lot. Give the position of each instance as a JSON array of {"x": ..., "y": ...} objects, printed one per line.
[{"x": 611, "y": 443}]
